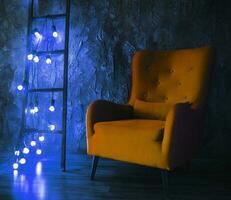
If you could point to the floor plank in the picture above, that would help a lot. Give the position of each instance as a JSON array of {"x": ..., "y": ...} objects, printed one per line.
[{"x": 114, "y": 180}]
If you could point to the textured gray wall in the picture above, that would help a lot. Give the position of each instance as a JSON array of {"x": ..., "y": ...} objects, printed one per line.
[{"x": 104, "y": 35}]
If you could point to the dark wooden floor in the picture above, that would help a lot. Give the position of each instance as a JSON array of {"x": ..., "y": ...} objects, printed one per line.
[{"x": 114, "y": 180}]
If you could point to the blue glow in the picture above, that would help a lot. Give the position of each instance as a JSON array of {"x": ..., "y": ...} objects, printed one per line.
[
  {"x": 38, "y": 168},
  {"x": 15, "y": 172},
  {"x": 38, "y": 35},
  {"x": 30, "y": 56},
  {"x": 15, "y": 166},
  {"x": 25, "y": 150},
  {"x": 33, "y": 143},
  {"x": 20, "y": 87},
  {"x": 48, "y": 60},
  {"x": 38, "y": 151},
  {"x": 36, "y": 59},
  {"x": 51, "y": 127},
  {"x": 54, "y": 32},
  {"x": 52, "y": 108},
  {"x": 22, "y": 161},
  {"x": 17, "y": 152},
  {"x": 41, "y": 138},
  {"x": 32, "y": 111},
  {"x": 36, "y": 109}
]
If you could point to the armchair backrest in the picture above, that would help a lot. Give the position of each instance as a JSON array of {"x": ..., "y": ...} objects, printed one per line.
[{"x": 171, "y": 76}]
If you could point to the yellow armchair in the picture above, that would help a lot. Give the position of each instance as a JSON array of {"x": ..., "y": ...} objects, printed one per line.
[{"x": 162, "y": 122}]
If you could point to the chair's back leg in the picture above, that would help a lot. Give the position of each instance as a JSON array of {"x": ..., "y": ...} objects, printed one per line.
[
  {"x": 164, "y": 176},
  {"x": 94, "y": 166}
]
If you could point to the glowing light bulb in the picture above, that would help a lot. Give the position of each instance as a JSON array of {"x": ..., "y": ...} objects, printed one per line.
[
  {"x": 54, "y": 32},
  {"x": 52, "y": 108},
  {"x": 17, "y": 152},
  {"x": 38, "y": 35},
  {"x": 25, "y": 150},
  {"x": 51, "y": 127},
  {"x": 41, "y": 138},
  {"x": 22, "y": 161},
  {"x": 15, "y": 166},
  {"x": 32, "y": 111},
  {"x": 38, "y": 151},
  {"x": 48, "y": 60},
  {"x": 33, "y": 143},
  {"x": 30, "y": 56},
  {"x": 36, "y": 109},
  {"x": 36, "y": 59},
  {"x": 20, "y": 87}
]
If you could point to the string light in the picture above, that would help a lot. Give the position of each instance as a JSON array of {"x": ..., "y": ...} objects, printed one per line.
[
  {"x": 22, "y": 161},
  {"x": 41, "y": 138},
  {"x": 20, "y": 87},
  {"x": 36, "y": 59},
  {"x": 25, "y": 150},
  {"x": 15, "y": 166},
  {"x": 54, "y": 32},
  {"x": 33, "y": 143},
  {"x": 17, "y": 152},
  {"x": 37, "y": 34},
  {"x": 51, "y": 127},
  {"x": 36, "y": 109},
  {"x": 30, "y": 56},
  {"x": 38, "y": 151},
  {"x": 48, "y": 60},
  {"x": 52, "y": 106}
]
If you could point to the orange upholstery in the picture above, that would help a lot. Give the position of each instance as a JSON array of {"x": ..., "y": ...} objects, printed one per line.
[{"x": 161, "y": 125}]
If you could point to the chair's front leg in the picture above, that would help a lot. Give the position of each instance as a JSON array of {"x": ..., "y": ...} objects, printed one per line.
[{"x": 94, "y": 166}]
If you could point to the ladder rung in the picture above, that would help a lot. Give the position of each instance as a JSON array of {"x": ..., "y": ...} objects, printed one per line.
[
  {"x": 46, "y": 90},
  {"x": 50, "y": 16},
  {"x": 49, "y": 52},
  {"x": 32, "y": 130}
]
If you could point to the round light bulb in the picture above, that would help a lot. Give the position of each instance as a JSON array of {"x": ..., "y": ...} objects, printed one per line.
[
  {"x": 33, "y": 143},
  {"x": 41, "y": 138},
  {"x": 38, "y": 35},
  {"x": 55, "y": 34},
  {"x": 22, "y": 161},
  {"x": 15, "y": 166},
  {"x": 48, "y": 60},
  {"x": 32, "y": 111},
  {"x": 25, "y": 150},
  {"x": 36, "y": 59},
  {"x": 52, "y": 108},
  {"x": 36, "y": 109},
  {"x": 51, "y": 127},
  {"x": 17, "y": 152},
  {"x": 30, "y": 56},
  {"x": 20, "y": 87},
  {"x": 38, "y": 151}
]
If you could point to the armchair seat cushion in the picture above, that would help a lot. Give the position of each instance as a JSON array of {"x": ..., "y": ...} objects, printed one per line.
[{"x": 136, "y": 140}]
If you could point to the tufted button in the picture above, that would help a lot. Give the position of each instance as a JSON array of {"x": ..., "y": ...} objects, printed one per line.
[
  {"x": 185, "y": 97},
  {"x": 171, "y": 70},
  {"x": 179, "y": 83},
  {"x": 190, "y": 69}
]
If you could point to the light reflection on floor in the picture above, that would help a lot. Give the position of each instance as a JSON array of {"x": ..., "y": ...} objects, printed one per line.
[{"x": 32, "y": 183}]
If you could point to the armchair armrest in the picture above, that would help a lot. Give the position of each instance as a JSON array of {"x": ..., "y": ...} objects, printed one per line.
[
  {"x": 181, "y": 134},
  {"x": 101, "y": 110}
]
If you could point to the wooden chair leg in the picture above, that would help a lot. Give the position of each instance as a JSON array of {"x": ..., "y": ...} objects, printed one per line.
[
  {"x": 94, "y": 166},
  {"x": 164, "y": 176}
]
